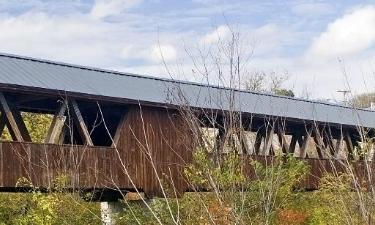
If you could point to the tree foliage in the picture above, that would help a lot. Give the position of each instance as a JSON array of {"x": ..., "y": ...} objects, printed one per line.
[{"x": 363, "y": 100}]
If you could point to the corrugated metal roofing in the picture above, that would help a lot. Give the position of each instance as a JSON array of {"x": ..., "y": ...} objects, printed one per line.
[{"x": 30, "y": 72}]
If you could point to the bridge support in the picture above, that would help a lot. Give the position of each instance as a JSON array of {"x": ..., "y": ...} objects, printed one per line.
[{"x": 109, "y": 211}]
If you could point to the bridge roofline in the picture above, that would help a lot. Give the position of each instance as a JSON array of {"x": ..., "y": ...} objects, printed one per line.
[{"x": 33, "y": 73}]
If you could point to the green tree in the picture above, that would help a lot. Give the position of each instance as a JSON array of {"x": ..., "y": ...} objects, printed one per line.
[
  {"x": 37, "y": 125},
  {"x": 284, "y": 92}
]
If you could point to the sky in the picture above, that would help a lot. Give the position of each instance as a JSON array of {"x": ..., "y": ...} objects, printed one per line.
[{"x": 323, "y": 46}]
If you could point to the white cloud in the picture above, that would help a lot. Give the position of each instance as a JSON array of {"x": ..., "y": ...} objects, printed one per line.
[
  {"x": 155, "y": 53},
  {"x": 104, "y": 8},
  {"x": 220, "y": 33},
  {"x": 165, "y": 52},
  {"x": 74, "y": 37},
  {"x": 347, "y": 35}
]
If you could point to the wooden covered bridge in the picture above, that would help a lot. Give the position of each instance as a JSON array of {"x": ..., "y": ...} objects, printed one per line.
[{"x": 125, "y": 131}]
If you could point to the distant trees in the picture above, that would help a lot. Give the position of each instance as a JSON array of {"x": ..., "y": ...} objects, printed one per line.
[
  {"x": 362, "y": 100},
  {"x": 272, "y": 82},
  {"x": 284, "y": 92}
]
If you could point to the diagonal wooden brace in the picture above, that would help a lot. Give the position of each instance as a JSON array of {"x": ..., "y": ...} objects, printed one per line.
[
  {"x": 57, "y": 124},
  {"x": 14, "y": 119},
  {"x": 82, "y": 128}
]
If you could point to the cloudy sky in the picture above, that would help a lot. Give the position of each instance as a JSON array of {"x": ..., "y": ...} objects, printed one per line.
[{"x": 313, "y": 41}]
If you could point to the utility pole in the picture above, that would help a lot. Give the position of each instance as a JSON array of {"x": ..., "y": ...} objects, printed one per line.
[{"x": 345, "y": 94}]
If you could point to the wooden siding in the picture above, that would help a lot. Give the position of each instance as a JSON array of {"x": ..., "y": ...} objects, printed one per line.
[
  {"x": 154, "y": 146},
  {"x": 99, "y": 168},
  {"x": 152, "y": 150}
]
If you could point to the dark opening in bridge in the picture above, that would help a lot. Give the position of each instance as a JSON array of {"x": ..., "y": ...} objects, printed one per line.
[{"x": 56, "y": 120}]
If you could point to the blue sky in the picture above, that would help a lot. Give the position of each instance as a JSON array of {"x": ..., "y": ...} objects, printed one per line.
[{"x": 312, "y": 41}]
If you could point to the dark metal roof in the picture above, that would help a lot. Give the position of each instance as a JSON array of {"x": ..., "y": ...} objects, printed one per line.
[{"x": 36, "y": 73}]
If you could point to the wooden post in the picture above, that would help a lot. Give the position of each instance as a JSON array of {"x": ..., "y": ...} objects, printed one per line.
[
  {"x": 220, "y": 139},
  {"x": 282, "y": 140},
  {"x": 293, "y": 142},
  {"x": 307, "y": 136},
  {"x": 339, "y": 145},
  {"x": 85, "y": 134},
  {"x": 349, "y": 145},
  {"x": 328, "y": 143},
  {"x": 244, "y": 144},
  {"x": 268, "y": 141},
  {"x": 120, "y": 125},
  {"x": 57, "y": 124},
  {"x": 258, "y": 141},
  {"x": 319, "y": 144},
  {"x": 14, "y": 120},
  {"x": 237, "y": 144}
]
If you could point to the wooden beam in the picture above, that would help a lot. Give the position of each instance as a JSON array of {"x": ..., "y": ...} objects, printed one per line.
[
  {"x": 328, "y": 144},
  {"x": 236, "y": 142},
  {"x": 245, "y": 145},
  {"x": 14, "y": 120},
  {"x": 319, "y": 144},
  {"x": 119, "y": 128},
  {"x": 57, "y": 124},
  {"x": 339, "y": 144},
  {"x": 293, "y": 142},
  {"x": 258, "y": 141},
  {"x": 30, "y": 98},
  {"x": 220, "y": 140},
  {"x": 303, "y": 149},
  {"x": 268, "y": 141},
  {"x": 82, "y": 128},
  {"x": 282, "y": 140},
  {"x": 349, "y": 145}
]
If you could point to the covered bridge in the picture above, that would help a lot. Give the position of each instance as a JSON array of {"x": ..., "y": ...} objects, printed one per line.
[{"x": 126, "y": 131}]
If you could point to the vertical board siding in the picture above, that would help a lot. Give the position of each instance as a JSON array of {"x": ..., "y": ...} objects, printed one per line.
[{"x": 154, "y": 147}]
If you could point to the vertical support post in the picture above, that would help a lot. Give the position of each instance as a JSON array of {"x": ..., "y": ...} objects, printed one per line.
[
  {"x": 237, "y": 143},
  {"x": 319, "y": 144},
  {"x": 120, "y": 125},
  {"x": 109, "y": 210},
  {"x": 14, "y": 120},
  {"x": 85, "y": 134},
  {"x": 293, "y": 142},
  {"x": 349, "y": 145},
  {"x": 258, "y": 141},
  {"x": 328, "y": 143},
  {"x": 244, "y": 144},
  {"x": 282, "y": 140},
  {"x": 307, "y": 136},
  {"x": 268, "y": 141},
  {"x": 57, "y": 124},
  {"x": 220, "y": 140},
  {"x": 339, "y": 144}
]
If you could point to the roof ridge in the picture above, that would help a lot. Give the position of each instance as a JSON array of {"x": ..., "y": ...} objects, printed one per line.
[{"x": 171, "y": 80}]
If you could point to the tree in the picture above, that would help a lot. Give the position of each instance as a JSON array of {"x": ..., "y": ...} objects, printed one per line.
[
  {"x": 272, "y": 82},
  {"x": 284, "y": 92},
  {"x": 362, "y": 100}
]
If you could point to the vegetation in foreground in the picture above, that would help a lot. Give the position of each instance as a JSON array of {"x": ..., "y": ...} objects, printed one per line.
[{"x": 271, "y": 199}]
